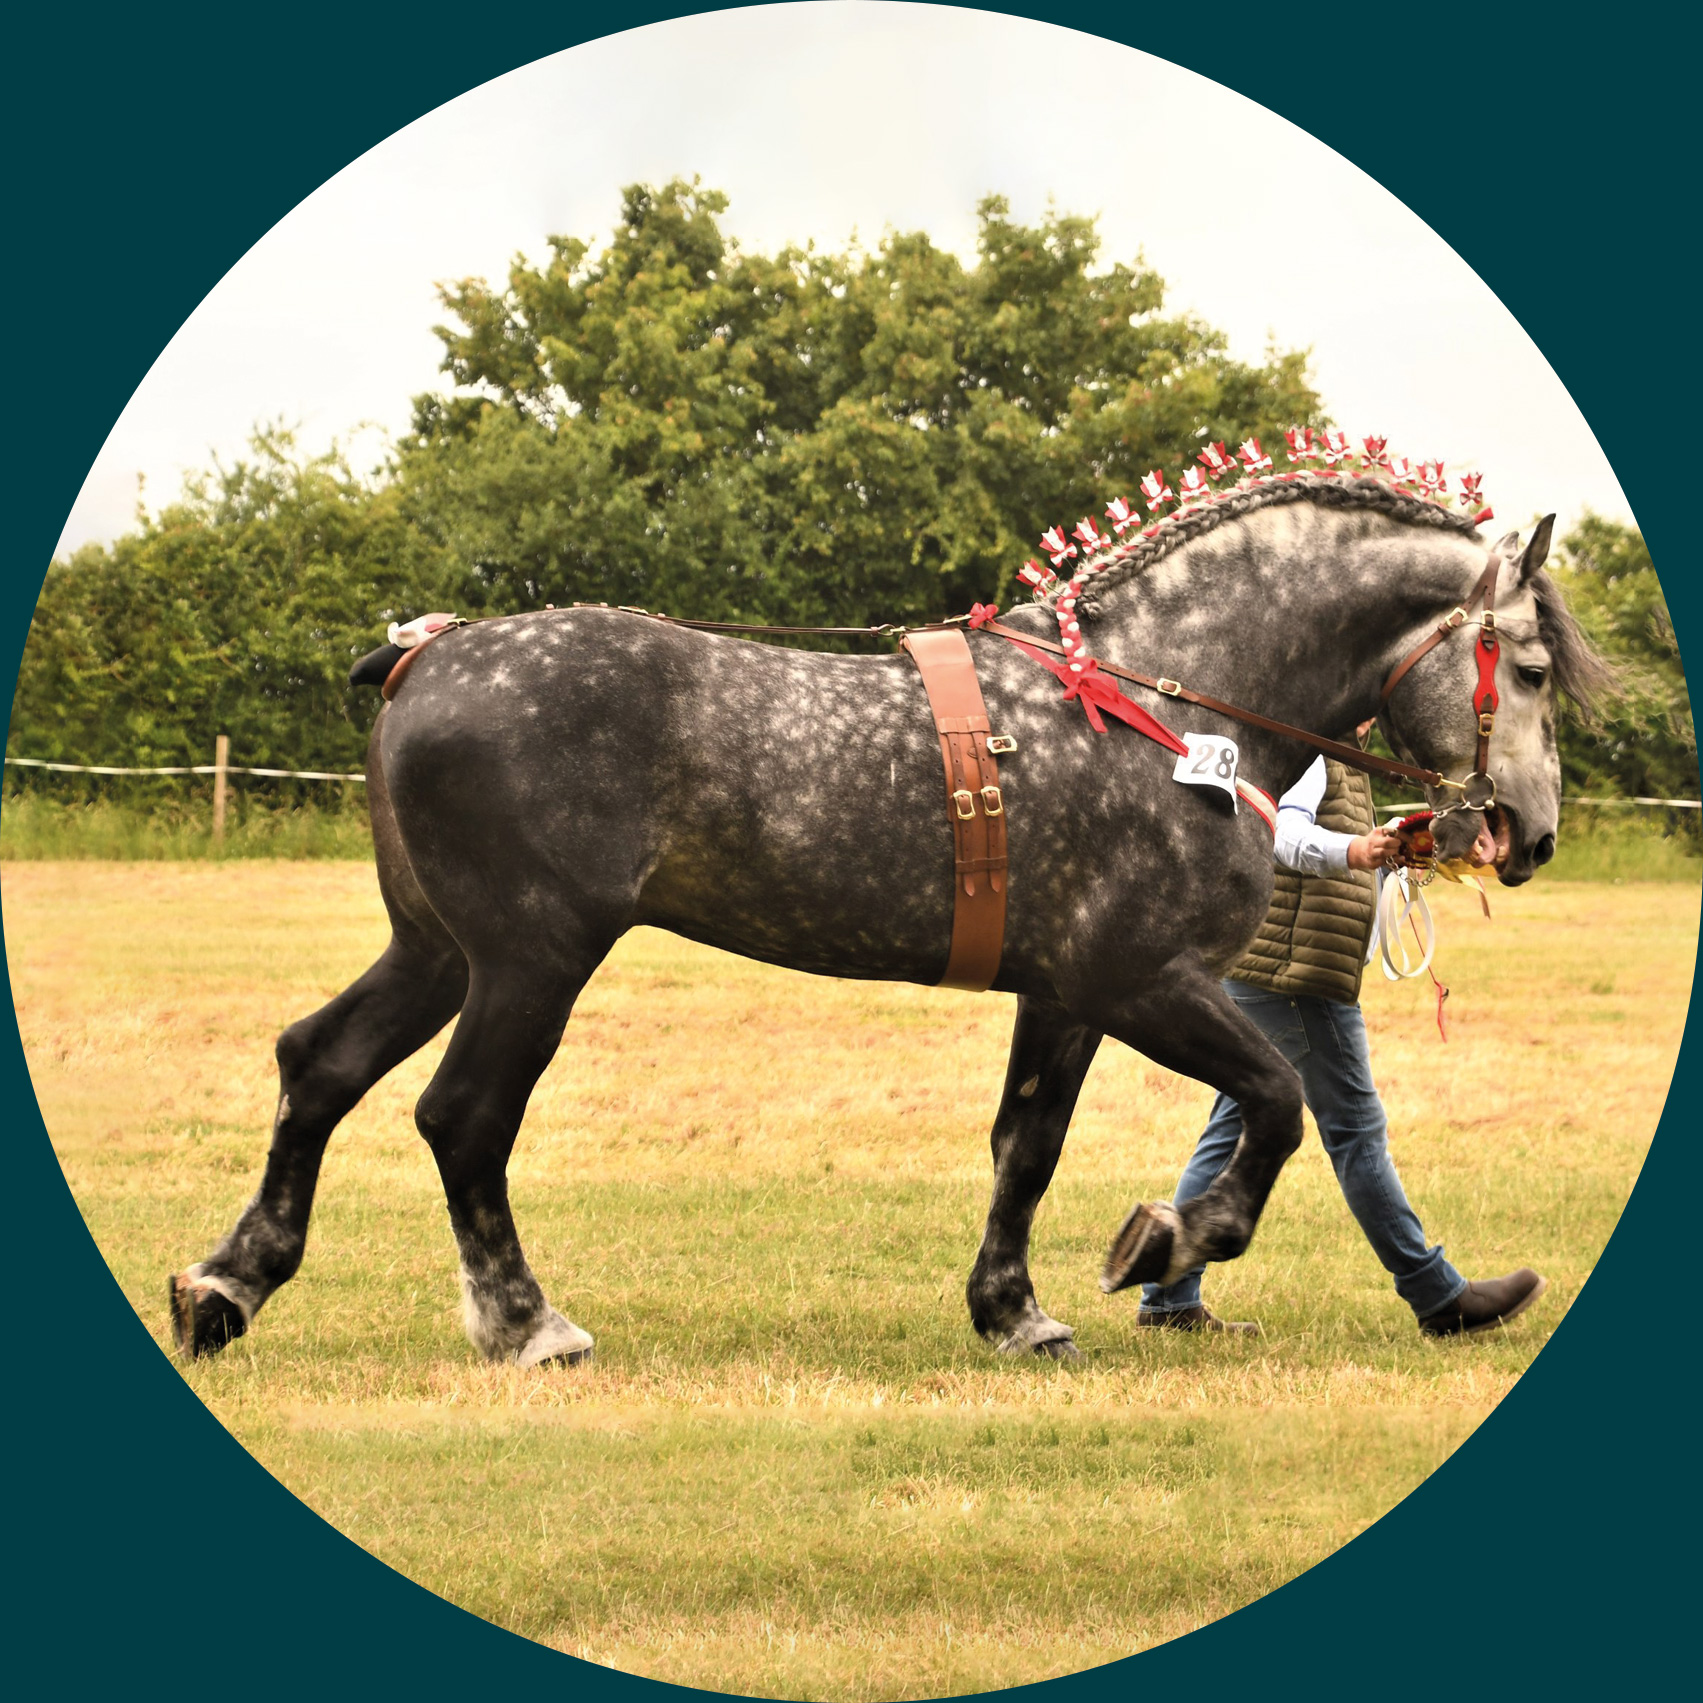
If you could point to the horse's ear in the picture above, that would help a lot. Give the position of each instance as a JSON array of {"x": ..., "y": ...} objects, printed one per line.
[
  {"x": 1508, "y": 546},
  {"x": 1537, "y": 552}
]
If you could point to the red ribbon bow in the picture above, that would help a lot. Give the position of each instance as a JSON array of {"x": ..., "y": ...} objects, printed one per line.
[
  {"x": 982, "y": 613},
  {"x": 1216, "y": 460},
  {"x": 1156, "y": 491},
  {"x": 1254, "y": 459},
  {"x": 1054, "y": 542},
  {"x": 1086, "y": 685}
]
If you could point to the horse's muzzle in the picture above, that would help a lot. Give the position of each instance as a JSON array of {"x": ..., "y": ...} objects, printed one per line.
[{"x": 1517, "y": 859}]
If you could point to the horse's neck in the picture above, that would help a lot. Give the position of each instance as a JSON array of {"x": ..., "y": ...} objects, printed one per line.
[{"x": 1298, "y": 616}]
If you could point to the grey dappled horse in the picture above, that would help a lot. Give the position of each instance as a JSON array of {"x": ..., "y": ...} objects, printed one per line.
[{"x": 543, "y": 783}]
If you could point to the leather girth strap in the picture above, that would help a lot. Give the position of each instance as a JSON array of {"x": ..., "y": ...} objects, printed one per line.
[{"x": 974, "y": 807}]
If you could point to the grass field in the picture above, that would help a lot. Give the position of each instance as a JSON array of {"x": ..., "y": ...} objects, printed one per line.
[{"x": 792, "y": 1469}]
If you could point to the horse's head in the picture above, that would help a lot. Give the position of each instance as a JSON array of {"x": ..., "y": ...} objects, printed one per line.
[{"x": 1508, "y": 818}]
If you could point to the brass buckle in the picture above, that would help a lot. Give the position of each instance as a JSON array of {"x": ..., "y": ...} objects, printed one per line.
[
  {"x": 1000, "y": 743},
  {"x": 1487, "y": 621},
  {"x": 992, "y": 803},
  {"x": 1171, "y": 688},
  {"x": 1456, "y": 617},
  {"x": 1486, "y": 723},
  {"x": 966, "y": 802}
]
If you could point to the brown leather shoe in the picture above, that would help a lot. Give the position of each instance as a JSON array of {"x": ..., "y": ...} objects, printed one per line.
[
  {"x": 1484, "y": 1306},
  {"x": 1193, "y": 1318}
]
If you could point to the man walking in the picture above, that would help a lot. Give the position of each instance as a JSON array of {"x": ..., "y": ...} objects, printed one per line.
[{"x": 1299, "y": 983}]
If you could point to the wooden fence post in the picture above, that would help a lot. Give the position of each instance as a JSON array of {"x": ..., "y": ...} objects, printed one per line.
[{"x": 221, "y": 761}]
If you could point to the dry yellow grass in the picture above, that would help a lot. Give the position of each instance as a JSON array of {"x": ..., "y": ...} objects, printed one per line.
[{"x": 792, "y": 1468}]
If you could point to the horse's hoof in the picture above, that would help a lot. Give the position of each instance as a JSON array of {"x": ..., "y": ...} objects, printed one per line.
[
  {"x": 557, "y": 1342},
  {"x": 1141, "y": 1250},
  {"x": 1041, "y": 1335},
  {"x": 1059, "y": 1348},
  {"x": 578, "y": 1357},
  {"x": 202, "y": 1319}
]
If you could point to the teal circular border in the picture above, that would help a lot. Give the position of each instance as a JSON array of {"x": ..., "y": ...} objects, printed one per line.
[{"x": 1548, "y": 150}]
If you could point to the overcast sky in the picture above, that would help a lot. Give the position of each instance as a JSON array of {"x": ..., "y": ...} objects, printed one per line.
[{"x": 795, "y": 112}]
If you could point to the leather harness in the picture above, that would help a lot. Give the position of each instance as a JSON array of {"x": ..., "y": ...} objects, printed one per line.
[{"x": 974, "y": 805}]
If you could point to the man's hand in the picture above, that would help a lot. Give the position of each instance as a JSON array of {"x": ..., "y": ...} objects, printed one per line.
[{"x": 1375, "y": 850}]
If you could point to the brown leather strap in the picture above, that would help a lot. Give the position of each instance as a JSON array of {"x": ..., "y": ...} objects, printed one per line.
[
  {"x": 1489, "y": 649},
  {"x": 974, "y": 806},
  {"x": 1456, "y": 617},
  {"x": 393, "y": 680},
  {"x": 1352, "y": 755}
]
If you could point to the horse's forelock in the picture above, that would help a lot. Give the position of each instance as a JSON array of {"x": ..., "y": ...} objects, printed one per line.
[{"x": 1579, "y": 670}]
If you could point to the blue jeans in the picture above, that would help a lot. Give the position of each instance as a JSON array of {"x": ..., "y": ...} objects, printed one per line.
[{"x": 1326, "y": 1043}]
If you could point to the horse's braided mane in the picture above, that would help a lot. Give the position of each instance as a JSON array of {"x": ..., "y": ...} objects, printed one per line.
[
  {"x": 1362, "y": 493},
  {"x": 1580, "y": 672}
]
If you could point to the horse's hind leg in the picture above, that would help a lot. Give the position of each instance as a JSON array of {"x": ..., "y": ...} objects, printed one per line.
[
  {"x": 1050, "y": 1056},
  {"x": 470, "y": 1115},
  {"x": 1187, "y": 1023},
  {"x": 326, "y": 1062}
]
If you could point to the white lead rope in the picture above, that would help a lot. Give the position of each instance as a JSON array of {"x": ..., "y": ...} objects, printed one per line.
[{"x": 1401, "y": 900}]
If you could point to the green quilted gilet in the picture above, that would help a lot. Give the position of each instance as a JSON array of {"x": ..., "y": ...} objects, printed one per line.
[{"x": 1313, "y": 939}]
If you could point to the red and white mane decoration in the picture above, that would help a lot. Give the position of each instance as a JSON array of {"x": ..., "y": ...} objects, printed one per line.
[{"x": 1329, "y": 455}]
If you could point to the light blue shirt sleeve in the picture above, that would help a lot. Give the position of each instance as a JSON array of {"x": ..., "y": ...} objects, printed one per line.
[
  {"x": 1305, "y": 847},
  {"x": 1302, "y": 845}
]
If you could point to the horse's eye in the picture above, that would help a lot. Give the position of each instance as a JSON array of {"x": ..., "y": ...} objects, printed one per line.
[{"x": 1533, "y": 677}]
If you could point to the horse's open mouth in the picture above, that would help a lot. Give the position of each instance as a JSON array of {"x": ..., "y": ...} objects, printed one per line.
[{"x": 1495, "y": 842}]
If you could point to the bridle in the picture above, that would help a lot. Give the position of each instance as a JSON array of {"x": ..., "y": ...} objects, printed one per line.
[{"x": 1485, "y": 698}]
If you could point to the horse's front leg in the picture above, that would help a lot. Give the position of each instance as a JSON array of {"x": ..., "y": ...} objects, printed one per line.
[
  {"x": 1050, "y": 1056},
  {"x": 1186, "y": 1022}
]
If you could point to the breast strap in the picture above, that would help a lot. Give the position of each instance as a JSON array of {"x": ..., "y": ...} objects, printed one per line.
[{"x": 974, "y": 806}]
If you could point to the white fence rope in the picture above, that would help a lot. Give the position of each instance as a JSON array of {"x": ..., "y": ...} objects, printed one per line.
[
  {"x": 191, "y": 769},
  {"x": 1671, "y": 803},
  {"x": 1668, "y": 803}
]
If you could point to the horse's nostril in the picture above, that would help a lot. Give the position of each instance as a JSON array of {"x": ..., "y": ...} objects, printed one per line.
[{"x": 1544, "y": 850}]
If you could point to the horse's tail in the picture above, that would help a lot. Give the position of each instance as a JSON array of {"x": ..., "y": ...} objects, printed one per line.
[
  {"x": 385, "y": 666},
  {"x": 374, "y": 668}
]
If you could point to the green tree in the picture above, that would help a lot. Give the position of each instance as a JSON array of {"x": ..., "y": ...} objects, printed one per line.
[
  {"x": 808, "y": 437},
  {"x": 1643, "y": 742},
  {"x": 237, "y": 610}
]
